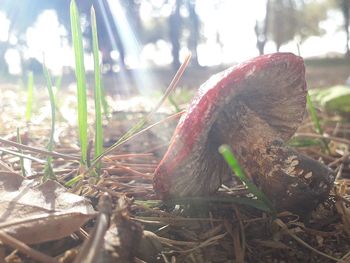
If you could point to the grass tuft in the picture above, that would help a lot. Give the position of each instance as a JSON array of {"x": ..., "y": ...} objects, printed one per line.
[{"x": 138, "y": 126}]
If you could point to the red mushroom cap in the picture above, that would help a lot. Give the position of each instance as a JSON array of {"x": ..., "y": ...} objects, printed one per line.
[{"x": 256, "y": 102}]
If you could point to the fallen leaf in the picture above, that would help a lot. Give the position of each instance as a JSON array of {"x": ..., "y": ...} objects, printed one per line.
[
  {"x": 334, "y": 98},
  {"x": 33, "y": 213}
]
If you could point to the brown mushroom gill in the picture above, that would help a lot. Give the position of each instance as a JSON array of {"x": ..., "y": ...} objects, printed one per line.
[
  {"x": 287, "y": 177},
  {"x": 254, "y": 111}
]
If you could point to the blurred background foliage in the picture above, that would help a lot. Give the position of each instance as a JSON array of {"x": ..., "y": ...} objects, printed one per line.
[{"x": 139, "y": 33}]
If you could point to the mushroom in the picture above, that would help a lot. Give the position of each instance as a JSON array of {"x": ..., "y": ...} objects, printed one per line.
[{"x": 254, "y": 107}]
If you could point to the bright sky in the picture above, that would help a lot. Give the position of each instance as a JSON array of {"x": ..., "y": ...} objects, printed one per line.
[
  {"x": 234, "y": 21},
  {"x": 45, "y": 39}
]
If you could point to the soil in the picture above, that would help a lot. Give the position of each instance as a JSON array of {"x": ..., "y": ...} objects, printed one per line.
[{"x": 207, "y": 229}]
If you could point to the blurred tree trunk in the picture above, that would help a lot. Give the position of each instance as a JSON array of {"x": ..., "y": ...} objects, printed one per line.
[
  {"x": 283, "y": 24},
  {"x": 3, "y": 64},
  {"x": 194, "y": 35},
  {"x": 345, "y": 6},
  {"x": 175, "y": 29},
  {"x": 261, "y": 30}
]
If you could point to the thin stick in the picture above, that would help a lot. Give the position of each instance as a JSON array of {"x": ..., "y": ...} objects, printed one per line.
[
  {"x": 345, "y": 257},
  {"x": 131, "y": 171},
  {"x": 138, "y": 165},
  {"x": 130, "y": 156},
  {"x": 92, "y": 246},
  {"x": 4, "y": 166},
  {"x": 172, "y": 84},
  {"x": 340, "y": 172},
  {"x": 18, "y": 154},
  {"x": 37, "y": 150},
  {"x": 205, "y": 243},
  {"x": 312, "y": 135},
  {"x": 13, "y": 242},
  {"x": 341, "y": 159},
  {"x": 241, "y": 227},
  {"x": 109, "y": 150},
  {"x": 143, "y": 121},
  {"x": 284, "y": 227},
  {"x": 41, "y": 217}
]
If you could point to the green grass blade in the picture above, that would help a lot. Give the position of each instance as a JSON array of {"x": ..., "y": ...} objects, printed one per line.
[
  {"x": 30, "y": 87},
  {"x": 173, "y": 102},
  {"x": 49, "y": 174},
  {"x": 21, "y": 160},
  {"x": 105, "y": 106},
  {"x": 199, "y": 200},
  {"x": 313, "y": 114},
  {"x": 125, "y": 137},
  {"x": 258, "y": 204},
  {"x": 304, "y": 142},
  {"x": 74, "y": 180},
  {"x": 98, "y": 92},
  {"x": 80, "y": 76},
  {"x": 316, "y": 121},
  {"x": 58, "y": 83},
  {"x": 236, "y": 168}
]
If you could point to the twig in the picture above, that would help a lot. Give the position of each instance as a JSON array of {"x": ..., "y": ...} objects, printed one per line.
[
  {"x": 4, "y": 166},
  {"x": 130, "y": 156},
  {"x": 41, "y": 151},
  {"x": 174, "y": 220},
  {"x": 109, "y": 150},
  {"x": 345, "y": 258},
  {"x": 40, "y": 217},
  {"x": 205, "y": 243},
  {"x": 285, "y": 228},
  {"x": 312, "y": 135},
  {"x": 339, "y": 173},
  {"x": 319, "y": 154},
  {"x": 343, "y": 199},
  {"x": 133, "y": 131},
  {"x": 131, "y": 171},
  {"x": 172, "y": 84},
  {"x": 241, "y": 227},
  {"x": 92, "y": 246},
  {"x": 13, "y": 242},
  {"x": 341, "y": 159},
  {"x": 18, "y": 154}
]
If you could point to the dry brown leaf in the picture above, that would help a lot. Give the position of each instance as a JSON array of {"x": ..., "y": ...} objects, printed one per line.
[{"x": 33, "y": 213}]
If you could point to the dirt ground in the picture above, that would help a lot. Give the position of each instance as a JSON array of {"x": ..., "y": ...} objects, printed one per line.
[
  {"x": 197, "y": 231},
  {"x": 319, "y": 73}
]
